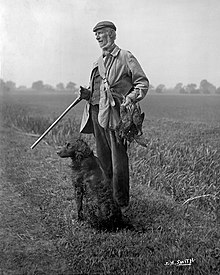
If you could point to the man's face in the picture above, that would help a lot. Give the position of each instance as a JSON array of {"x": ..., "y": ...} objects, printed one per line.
[{"x": 103, "y": 38}]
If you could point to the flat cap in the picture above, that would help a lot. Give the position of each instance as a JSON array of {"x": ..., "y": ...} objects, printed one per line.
[{"x": 104, "y": 24}]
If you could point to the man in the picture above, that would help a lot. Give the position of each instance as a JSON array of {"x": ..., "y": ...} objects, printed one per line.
[{"x": 116, "y": 79}]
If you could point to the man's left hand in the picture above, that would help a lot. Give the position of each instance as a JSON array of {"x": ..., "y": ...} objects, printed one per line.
[{"x": 127, "y": 101}]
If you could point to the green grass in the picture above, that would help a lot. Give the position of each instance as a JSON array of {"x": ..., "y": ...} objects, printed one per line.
[{"x": 181, "y": 162}]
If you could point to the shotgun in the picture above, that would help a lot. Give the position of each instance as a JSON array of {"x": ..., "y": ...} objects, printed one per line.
[{"x": 76, "y": 101}]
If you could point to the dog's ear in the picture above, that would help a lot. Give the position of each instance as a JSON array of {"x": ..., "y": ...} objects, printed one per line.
[
  {"x": 83, "y": 150},
  {"x": 79, "y": 156}
]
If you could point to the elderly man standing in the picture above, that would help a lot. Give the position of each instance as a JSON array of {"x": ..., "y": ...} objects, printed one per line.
[{"x": 116, "y": 79}]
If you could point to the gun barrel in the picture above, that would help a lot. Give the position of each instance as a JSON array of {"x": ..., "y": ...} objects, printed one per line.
[{"x": 76, "y": 101}]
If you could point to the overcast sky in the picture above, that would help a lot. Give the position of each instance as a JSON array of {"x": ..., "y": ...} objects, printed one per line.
[{"x": 52, "y": 40}]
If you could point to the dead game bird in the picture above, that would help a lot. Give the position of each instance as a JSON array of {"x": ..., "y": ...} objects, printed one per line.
[{"x": 130, "y": 125}]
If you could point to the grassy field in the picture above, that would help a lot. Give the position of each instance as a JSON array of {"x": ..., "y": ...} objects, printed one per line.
[{"x": 174, "y": 215}]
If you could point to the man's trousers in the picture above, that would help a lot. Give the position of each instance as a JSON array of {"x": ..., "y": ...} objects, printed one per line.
[{"x": 113, "y": 157}]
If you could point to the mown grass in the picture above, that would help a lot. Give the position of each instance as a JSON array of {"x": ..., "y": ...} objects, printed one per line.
[{"x": 181, "y": 162}]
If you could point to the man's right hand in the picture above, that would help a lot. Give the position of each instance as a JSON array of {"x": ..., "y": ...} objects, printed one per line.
[{"x": 84, "y": 93}]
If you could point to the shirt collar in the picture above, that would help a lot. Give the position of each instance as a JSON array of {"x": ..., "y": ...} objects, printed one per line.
[{"x": 113, "y": 51}]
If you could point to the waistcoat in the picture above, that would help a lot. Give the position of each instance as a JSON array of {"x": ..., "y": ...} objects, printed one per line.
[{"x": 96, "y": 88}]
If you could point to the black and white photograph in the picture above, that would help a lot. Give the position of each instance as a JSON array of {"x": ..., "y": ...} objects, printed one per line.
[{"x": 109, "y": 137}]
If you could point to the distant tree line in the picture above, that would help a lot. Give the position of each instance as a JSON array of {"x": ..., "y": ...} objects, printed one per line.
[
  {"x": 38, "y": 86},
  {"x": 7, "y": 86},
  {"x": 204, "y": 87}
]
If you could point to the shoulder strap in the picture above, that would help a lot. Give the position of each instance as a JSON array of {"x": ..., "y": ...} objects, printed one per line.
[
  {"x": 102, "y": 71},
  {"x": 101, "y": 66}
]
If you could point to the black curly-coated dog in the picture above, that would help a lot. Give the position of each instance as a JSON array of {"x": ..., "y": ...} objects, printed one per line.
[{"x": 93, "y": 191}]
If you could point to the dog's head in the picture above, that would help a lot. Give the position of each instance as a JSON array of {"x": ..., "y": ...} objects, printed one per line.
[{"x": 76, "y": 149}]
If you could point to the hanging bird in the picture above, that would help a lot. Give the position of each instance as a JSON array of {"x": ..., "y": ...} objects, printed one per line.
[
  {"x": 138, "y": 118},
  {"x": 130, "y": 125}
]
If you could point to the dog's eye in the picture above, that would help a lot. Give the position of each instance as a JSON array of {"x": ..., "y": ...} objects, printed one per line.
[{"x": 67, "y": 144}]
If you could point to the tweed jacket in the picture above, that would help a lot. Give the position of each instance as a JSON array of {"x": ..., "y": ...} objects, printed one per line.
[{"x": 124, "y": 76}]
